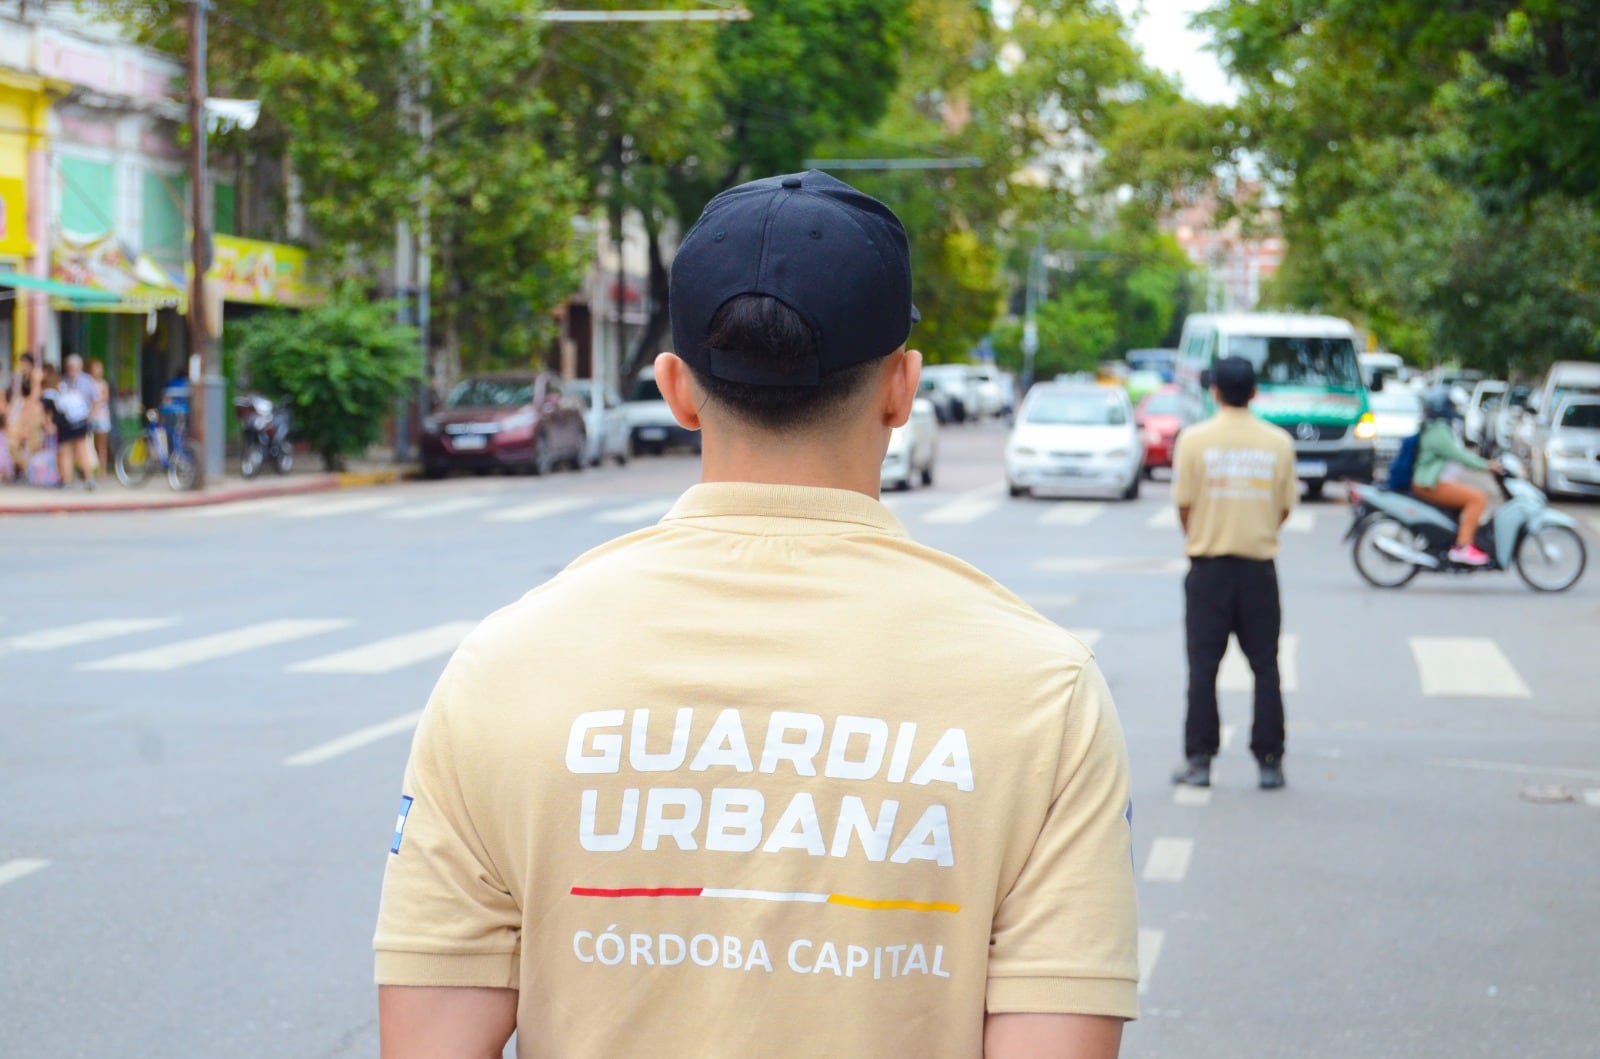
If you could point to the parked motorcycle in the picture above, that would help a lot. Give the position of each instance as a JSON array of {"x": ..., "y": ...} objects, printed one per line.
[
  {"x": 1398, "y": 536},
  {"x": 266, "y": 436}
]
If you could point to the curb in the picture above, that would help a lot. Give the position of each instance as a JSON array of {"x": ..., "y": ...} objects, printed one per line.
[{"x": 319, "y": 483}]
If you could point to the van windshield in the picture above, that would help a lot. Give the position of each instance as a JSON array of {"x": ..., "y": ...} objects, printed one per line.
[{"x": 1299, "y": 361}]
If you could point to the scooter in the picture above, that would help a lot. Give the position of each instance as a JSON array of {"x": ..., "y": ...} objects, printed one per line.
[
  {"x": 1398, "y": 536},
  {"x": 266, "y": 436}
]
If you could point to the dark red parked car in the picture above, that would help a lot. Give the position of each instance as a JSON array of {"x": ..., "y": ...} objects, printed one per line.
[
  {"x": 1159, "y": 417},
  {"x": 510, "y": 421}
]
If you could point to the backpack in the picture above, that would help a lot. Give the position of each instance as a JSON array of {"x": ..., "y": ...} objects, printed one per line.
[
  {"x": 72, "y": 405},
  {"x": 1404, "y": 464}
]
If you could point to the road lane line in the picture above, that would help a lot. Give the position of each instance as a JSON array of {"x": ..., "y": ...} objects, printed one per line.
[
  {"x": 1090, "y": 637},
  {"x": 12, "y": 870},
  {"x": 354, "y": 505},
  {"x": 219, "y": 645},
  {"x": 539, "y": 509},
  {"x": 85, "y": 632},
  {"x": 396, "y": 652},
  {"x": 1071, "y": 513},
  {"x": 1467, "y": 666},
  {"x": 1168, "y": 860},
  {"x": 638, "y": 514},
  {"x": 438, "y": 508},
  {"x": 1149, "y": 952},
  {"x": 1300, "y": 521},
  {"x": 1591, "y": 797},
  {"x": 1164, "y": 518},
  {"x": 1235, "y": 674},
  {"x": 1127, "y": 565},
  {"x": 354, "y": 741},
  {"x": 1193, "y": 797},
  {"x": 1228, "y": 731},
  {"x": 1518, "y": 768},
  {"x": 968, "y": 507}
]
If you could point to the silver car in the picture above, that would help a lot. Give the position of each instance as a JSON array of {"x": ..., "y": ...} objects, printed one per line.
[{"x": 1568, "y": 460}]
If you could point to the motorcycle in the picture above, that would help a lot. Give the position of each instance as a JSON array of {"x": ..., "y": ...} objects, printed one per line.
[
  {"x": 1398, "y": 536},
  {"x": 266, "y": 436}
]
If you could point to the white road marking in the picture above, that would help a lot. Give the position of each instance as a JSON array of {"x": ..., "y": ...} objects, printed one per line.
[
  {"x": 397, "y": 652},
  {"x": 1194, "y": 797},
  {"x": 1518, "y": 768},
  {"x": 240, "y": 508},
  {"x": 1149, "y": 952},
  {"x": 355, "y": 740},
  {"x": 1300, "y": 521},
  {"x": 1071, "y": 513},
  {"x": 1164, "y": 518},
  {"x": 439, "y": 508},
  {"x": 1591, "y": 797},
  {"x": 353, "y": 505},
  {"x": 1168, "y": 860},
  {"x": 539, "y": 509},
  {"x": 219, "y": 645},
  {"x": 637, "y": 514},
  {"x": 1090, "y": 637},
  {"x": 1109, "y": 566},
  {"x": 86, "y": 632},
  {"x": 1226, "y": 740},
  {"x": 1470, "y": 666},
  {"x": 12, "y": 870},
  {"x": 1235, "y": 674},
  {"x": 968, "y": 507}
]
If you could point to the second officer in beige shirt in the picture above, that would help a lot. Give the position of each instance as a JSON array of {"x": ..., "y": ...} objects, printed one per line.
[{"x": 1235, "y": 487}]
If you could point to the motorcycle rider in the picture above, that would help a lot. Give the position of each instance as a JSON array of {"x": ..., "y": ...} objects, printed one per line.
[{"x": 1439, "y": 455}]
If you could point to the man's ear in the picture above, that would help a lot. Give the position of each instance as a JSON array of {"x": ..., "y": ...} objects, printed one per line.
[
  {"x": 904, "y": 376},
  {"x": 679, "y": 390}
]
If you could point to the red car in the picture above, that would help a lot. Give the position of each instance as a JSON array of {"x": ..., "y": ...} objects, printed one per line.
[
  {"x": 1158, "y": 418},
  {"x": 508, "y": 421}
]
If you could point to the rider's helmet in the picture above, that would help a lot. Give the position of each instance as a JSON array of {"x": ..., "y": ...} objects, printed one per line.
[{"x": 1436, "y": 404}]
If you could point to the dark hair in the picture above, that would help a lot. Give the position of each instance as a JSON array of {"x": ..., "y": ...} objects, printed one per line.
[
  {"x": 757, "y": 328},
  {"x": 1236, "y": 393}
]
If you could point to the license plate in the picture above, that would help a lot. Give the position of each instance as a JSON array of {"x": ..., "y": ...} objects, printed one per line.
[
  {"x": 653, "y": 434},
  {"x": 471, "y": 442},
  {"x": 1310, "y": 469}
]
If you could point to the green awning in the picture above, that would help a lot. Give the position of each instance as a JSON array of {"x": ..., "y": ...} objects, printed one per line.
[{"x": 56, "y": 289}]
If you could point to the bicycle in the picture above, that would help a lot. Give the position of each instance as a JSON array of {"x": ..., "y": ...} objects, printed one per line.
[{"x": 158, "y": 446}]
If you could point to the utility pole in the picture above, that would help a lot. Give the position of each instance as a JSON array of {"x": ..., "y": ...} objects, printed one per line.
[
  {"x": 1035, "y": 294},
  {"x": 206, "y": 414}
]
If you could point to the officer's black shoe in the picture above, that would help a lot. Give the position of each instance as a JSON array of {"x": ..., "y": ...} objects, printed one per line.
[
  {"x": 1271, "y": 775},
  {"x": 1196, "y": 773}
]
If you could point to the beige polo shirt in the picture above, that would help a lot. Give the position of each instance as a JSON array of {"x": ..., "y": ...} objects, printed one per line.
[
  {"x": 1235, "y": 474},
  {"x": 768, "y": 778}
]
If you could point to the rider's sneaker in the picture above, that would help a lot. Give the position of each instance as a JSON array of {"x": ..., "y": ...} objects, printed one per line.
[{"x": 1468, "y": 555}]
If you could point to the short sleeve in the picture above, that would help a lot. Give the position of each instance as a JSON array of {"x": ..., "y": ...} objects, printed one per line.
[
  {"x": 1186, "y": 481},
  {"x": 446, "y": 918},
  {"x": 1065, "y": 938},
  {"x": 1288, "y": 484}
]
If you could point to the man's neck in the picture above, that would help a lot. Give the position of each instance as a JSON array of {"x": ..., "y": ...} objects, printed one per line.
[{"x": 820, "y": 466}]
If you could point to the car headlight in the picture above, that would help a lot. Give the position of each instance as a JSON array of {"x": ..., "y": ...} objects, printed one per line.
[
  {"x": 1119, "y": 454},
  {"x": 518, "y": 421},
  {"x": 1022, "y": 450},
  {"x": 1366, "y": 427}
]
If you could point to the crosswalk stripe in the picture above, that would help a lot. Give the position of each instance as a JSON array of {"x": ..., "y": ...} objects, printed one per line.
[
  {"x": 397, "y": 652},
  {"x": 1164, "y": 518},
  {"x": 1194, "y": 797},
  {"x": 1168, "y": 860},
  {"x": 1591, "y": 797},
  {"x": 1149, "y": 952},
  {"x": 539, "y": 509},
  {"x": 968, "y": 507},
  {"x": 1300, "y": 521},
  {"x": 438, "y": 508},
  {"x": 332, "y": 508},
  {"x": 219, "y": 645},
  {"x": 12, "y": 870},
  {"x": 355, "y": 740},
  {"x": 239, "y": 508},
  {"x": 1226, "y": 736},
  {"x": 648, "y": 511},
  {"x": 1110, "y": 566},
  {"x": 1069, "y": 513},
  {"x": 1470, "y": 666},
  {"x": 85, "y": 632},
  {"x": 1235, "y": 674}
]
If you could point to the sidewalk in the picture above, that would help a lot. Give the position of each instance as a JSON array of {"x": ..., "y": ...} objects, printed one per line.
[{"x": 109, "y": 495}]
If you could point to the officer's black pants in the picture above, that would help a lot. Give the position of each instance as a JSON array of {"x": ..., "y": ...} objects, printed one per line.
[{"x": 1228, "y": 596}]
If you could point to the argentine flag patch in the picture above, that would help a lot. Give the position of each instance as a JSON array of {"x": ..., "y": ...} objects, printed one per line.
[{"x": 400, "y": 823}]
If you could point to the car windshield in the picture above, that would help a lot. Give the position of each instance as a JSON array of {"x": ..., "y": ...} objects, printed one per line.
[
  {"x": 1076, "y": 409},
  {"x": 1562, "y": 392},
  {"x": 491, "y": 393},
  {"x": 1584, "y": 416},
  {"x": 1299, "y": 361},
  {"x": 1396, "y": 399},
  {"x": 1162, "y": 404}
]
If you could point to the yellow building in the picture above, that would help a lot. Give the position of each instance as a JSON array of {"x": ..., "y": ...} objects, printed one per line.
[{"x": 24, "y": 104}]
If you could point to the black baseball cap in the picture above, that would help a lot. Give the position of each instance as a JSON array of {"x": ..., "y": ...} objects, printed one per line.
[
  {"x": 1233, "y": 375},
  {"x": 836, "y": 256}
]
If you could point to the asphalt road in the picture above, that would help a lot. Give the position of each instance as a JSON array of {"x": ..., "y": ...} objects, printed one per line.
[{"x": 204, "y": 716}]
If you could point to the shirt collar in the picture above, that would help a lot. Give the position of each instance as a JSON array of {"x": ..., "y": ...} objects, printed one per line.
[{"x": 829, "y": 510}]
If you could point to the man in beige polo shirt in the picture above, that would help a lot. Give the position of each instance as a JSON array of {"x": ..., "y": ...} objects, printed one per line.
[
  {"x": 768, "y": 778},
  {"x": 1235, "y": 485}
]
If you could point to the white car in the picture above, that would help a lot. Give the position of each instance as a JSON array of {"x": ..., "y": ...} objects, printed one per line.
[
  {"x": 988, "y": 398},
  {"x": 1397, "y": 413},
  {"x": 606, "y": 424},
  {"x": 913, "y": 449},
  {"x": 652, "y": 428},
  {"x": 1075, "y": 437},
  {"x": 1477, "y": 427},
  {"x": 949, "y": 385}
]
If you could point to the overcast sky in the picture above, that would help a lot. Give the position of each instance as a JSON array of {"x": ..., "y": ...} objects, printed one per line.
[{"x": 1170, "y": 46}]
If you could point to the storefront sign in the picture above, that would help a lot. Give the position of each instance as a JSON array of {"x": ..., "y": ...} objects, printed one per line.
[
  {"x": 98, "y": 262},
  {"x": 13, "y": 218},
  {"x": 249, "y": 270}
]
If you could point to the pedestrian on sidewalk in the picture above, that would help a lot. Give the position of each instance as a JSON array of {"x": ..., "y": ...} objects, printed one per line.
[
  {"x": 1235, "y": 486},
  {"x": 100, "y": 414},
  {"x": 25, "y": 419},
  {"x": 68, "y": 407},
  {"x": 841, "y": 795}
]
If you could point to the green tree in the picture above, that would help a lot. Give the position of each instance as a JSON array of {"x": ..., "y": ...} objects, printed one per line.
[{"x": 338, "y": 366}]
